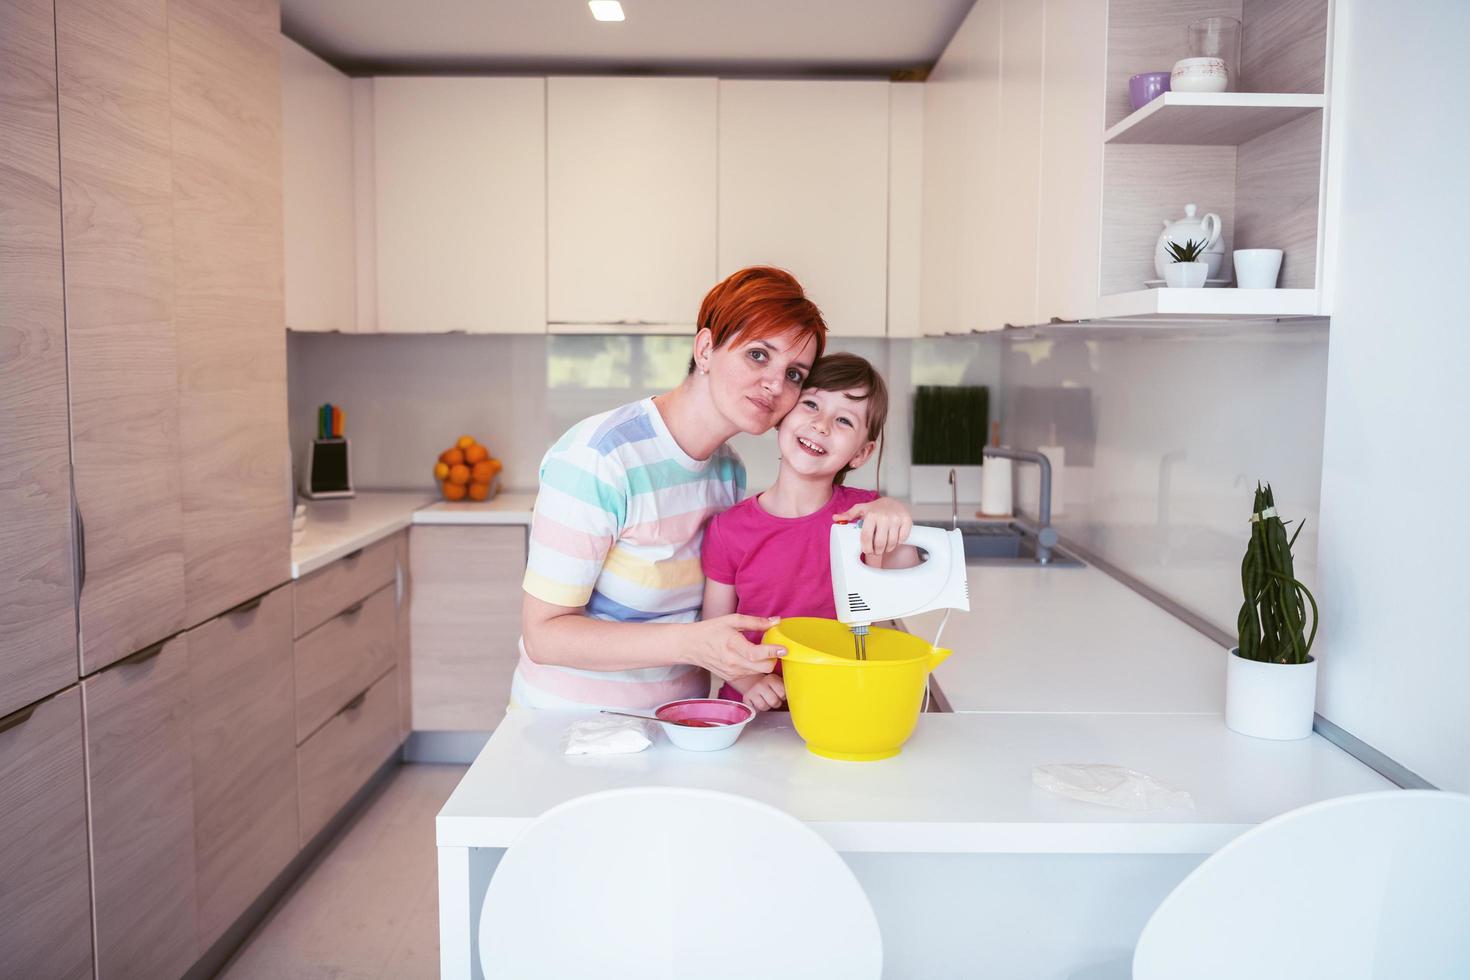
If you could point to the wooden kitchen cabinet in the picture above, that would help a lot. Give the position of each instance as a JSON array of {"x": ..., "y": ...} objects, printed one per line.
[
  {"x": 466, "y": 623},
  {"x": 341, "y": 756},
  {"x": 318, "y": 206},
  {"x": 803, "y": 185},
  {"x": 45, "y": 904},
  {"x": 460, "y": 206},
  {"x": 404, "y": 584},
  {"x": 242, "y": 735},
  {"x": 224, "y": 67},
  {"x": 348, "y": 580},
  {"x": 38, "y": 652},
  {"x": 140, "y": 789},
  {"x": 118, "y": 231},
  {"x": 340, "y": 658},
  {"x": 631, "y": 166}
]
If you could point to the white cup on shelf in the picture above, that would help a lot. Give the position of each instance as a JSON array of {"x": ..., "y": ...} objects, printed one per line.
[{"x": 1257, "y": 268}]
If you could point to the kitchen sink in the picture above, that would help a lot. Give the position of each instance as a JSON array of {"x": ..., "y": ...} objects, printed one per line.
[{"x": 1005, "y": 544}]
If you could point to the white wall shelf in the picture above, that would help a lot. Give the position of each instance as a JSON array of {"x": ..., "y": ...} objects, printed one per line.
[
  {"x": 1211, "y": 118},
  {"x": 1205, "y": 304}
]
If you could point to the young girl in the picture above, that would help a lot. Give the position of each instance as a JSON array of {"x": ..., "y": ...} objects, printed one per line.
[{"x": 769, "y": 555}]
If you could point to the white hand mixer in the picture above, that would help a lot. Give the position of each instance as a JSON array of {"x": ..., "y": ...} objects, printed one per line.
[{"x": 865, "y": 594}]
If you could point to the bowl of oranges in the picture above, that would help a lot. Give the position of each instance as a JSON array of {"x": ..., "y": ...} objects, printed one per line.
[{"x": 467, "y": 471}]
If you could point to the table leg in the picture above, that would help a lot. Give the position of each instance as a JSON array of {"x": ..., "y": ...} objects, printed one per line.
[{"x": 456, "y": 915}]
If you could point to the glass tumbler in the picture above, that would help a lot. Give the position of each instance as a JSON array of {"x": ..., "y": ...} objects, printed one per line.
[{"x": 1218, "y": 37}]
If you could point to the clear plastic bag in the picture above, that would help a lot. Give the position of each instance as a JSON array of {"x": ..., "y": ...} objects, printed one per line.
[
  {"x": 1115, "y": 786},
  {"x": 607, "y": 736}
]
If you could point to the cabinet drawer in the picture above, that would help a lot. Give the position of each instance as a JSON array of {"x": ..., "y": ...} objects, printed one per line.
[
  {"x": 243, "y": 735},
  {"x": 341, "y": 756},
  {"x": 140, "y": 775},
  {"x": 45, "y": 902},
  {"x": 328, "y": 591},
  {"x": 340, "y": 658}
]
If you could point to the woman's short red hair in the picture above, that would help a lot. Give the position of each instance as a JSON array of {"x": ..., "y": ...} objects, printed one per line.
[{"x": 760, "y": 302}]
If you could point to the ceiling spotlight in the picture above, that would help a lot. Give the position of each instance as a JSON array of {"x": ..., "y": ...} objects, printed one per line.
[{"x": 609, "y": 10}]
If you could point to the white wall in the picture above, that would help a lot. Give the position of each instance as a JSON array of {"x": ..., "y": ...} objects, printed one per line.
[
  {"x": 407, "y": 397},
  {"x": 1395, "y": 660},
  {"x": 1166, "y": 436}
]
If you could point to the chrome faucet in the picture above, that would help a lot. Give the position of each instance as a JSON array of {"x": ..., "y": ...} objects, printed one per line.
[{"x": 1046, "y": 535}]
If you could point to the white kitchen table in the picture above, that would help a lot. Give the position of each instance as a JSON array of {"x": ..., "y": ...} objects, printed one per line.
[{"x": 971, "y": 869}]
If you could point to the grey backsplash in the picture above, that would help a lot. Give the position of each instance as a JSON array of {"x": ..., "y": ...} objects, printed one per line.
[{"x": 1165, "y": 432}]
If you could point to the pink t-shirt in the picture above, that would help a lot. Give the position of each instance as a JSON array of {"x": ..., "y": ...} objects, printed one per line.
[{"x": 780, "y": 566}]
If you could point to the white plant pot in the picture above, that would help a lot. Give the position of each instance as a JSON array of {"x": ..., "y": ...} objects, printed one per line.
[
  {"x": 1186, "y": 275},
  {"x": 1269, "y": 700},
  {"x": 930, "y": 484}
]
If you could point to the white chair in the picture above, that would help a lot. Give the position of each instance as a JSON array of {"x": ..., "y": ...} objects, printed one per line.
[
  {"x": 1368, "y": 886},
  {"x": 660, "y": 882}
]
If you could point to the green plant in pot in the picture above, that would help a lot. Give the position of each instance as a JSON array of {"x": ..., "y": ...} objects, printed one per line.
[
  {"x": 1187, "y": 267},
  {"x": 950, "y": 424},
  {"x": 1271, "y": 677}
]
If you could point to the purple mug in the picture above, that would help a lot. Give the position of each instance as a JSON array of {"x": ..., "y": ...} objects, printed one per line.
[{"x": 1144, "y": 88}]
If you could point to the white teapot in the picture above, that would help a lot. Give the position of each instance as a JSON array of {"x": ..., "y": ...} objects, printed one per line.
[{"x": 1190, "y": 228}]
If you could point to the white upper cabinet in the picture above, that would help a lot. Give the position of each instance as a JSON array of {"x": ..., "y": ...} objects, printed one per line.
[
  {"x": 631, "y": 168},
  {"x": 1014, "y": 231},
  {"x": 1071, "y": 159},
  {"x": 460, "y": 204},
  {"x": 318, "y": 206},
  {"x": 905, "y": 207},
  {"x": 961, "y": 178},
  {"x": 803, "y": 181}
]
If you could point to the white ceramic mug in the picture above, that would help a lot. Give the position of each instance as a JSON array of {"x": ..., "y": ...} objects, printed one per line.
[
  {"x": 1199, "y": 75},
  {"x": 1257, "y": 268}
]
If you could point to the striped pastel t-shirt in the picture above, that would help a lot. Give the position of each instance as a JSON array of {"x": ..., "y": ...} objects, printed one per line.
[{"x": 617, "y": 530}]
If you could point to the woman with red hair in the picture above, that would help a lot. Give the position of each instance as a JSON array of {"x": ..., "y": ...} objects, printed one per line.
[{"x": 613, "y": 581}]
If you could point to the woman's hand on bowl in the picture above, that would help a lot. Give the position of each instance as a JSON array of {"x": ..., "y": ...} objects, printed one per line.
[{"x": 719, "y": 646}]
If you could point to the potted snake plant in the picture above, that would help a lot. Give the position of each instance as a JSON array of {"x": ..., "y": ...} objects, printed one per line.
[{"x": 1271, "y": 677}]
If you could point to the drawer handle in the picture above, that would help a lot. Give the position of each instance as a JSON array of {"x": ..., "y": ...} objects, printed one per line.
[
  {"x": 147, "y": 653},
  {"x": 18, "y": 718},
  {"x": 81, "y": 547},
  {"x": 354, "y": 704},
  {"x": 353, "y": 555},
  {"x": 354, "y": 609},
  {"x": 249, "y": 605}
]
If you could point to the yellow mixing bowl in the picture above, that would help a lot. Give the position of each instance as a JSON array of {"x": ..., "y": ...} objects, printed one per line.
[{"x": 845, "y": 708}]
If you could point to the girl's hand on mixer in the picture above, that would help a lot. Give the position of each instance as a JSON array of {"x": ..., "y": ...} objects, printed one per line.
[
  {"x": 886, "y": 523},
  {"x": 720, "y": 647},
  {"x": 765, "y": 692}
]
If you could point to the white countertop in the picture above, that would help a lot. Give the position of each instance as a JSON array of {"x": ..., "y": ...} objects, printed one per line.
[
  {"x": 1070, "y": 639},
  {"x": 339, "y": 527},
  {"x": 961, "y": 785}
]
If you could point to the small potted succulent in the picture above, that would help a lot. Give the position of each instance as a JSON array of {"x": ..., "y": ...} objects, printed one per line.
[
  {"x": 1187, "y": 267},
  {"x": 1271, "y": 678}
]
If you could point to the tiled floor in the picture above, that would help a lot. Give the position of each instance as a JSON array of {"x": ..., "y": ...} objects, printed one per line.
[{"x": 368, "y": 907}]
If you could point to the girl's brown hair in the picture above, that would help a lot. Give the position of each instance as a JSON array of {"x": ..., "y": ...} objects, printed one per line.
[
  {"x": 848, "y": 372},
  {"x": 757, "y": 303}
]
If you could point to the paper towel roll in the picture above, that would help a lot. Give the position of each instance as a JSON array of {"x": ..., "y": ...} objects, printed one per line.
[{"x": 995, "y": 487}]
